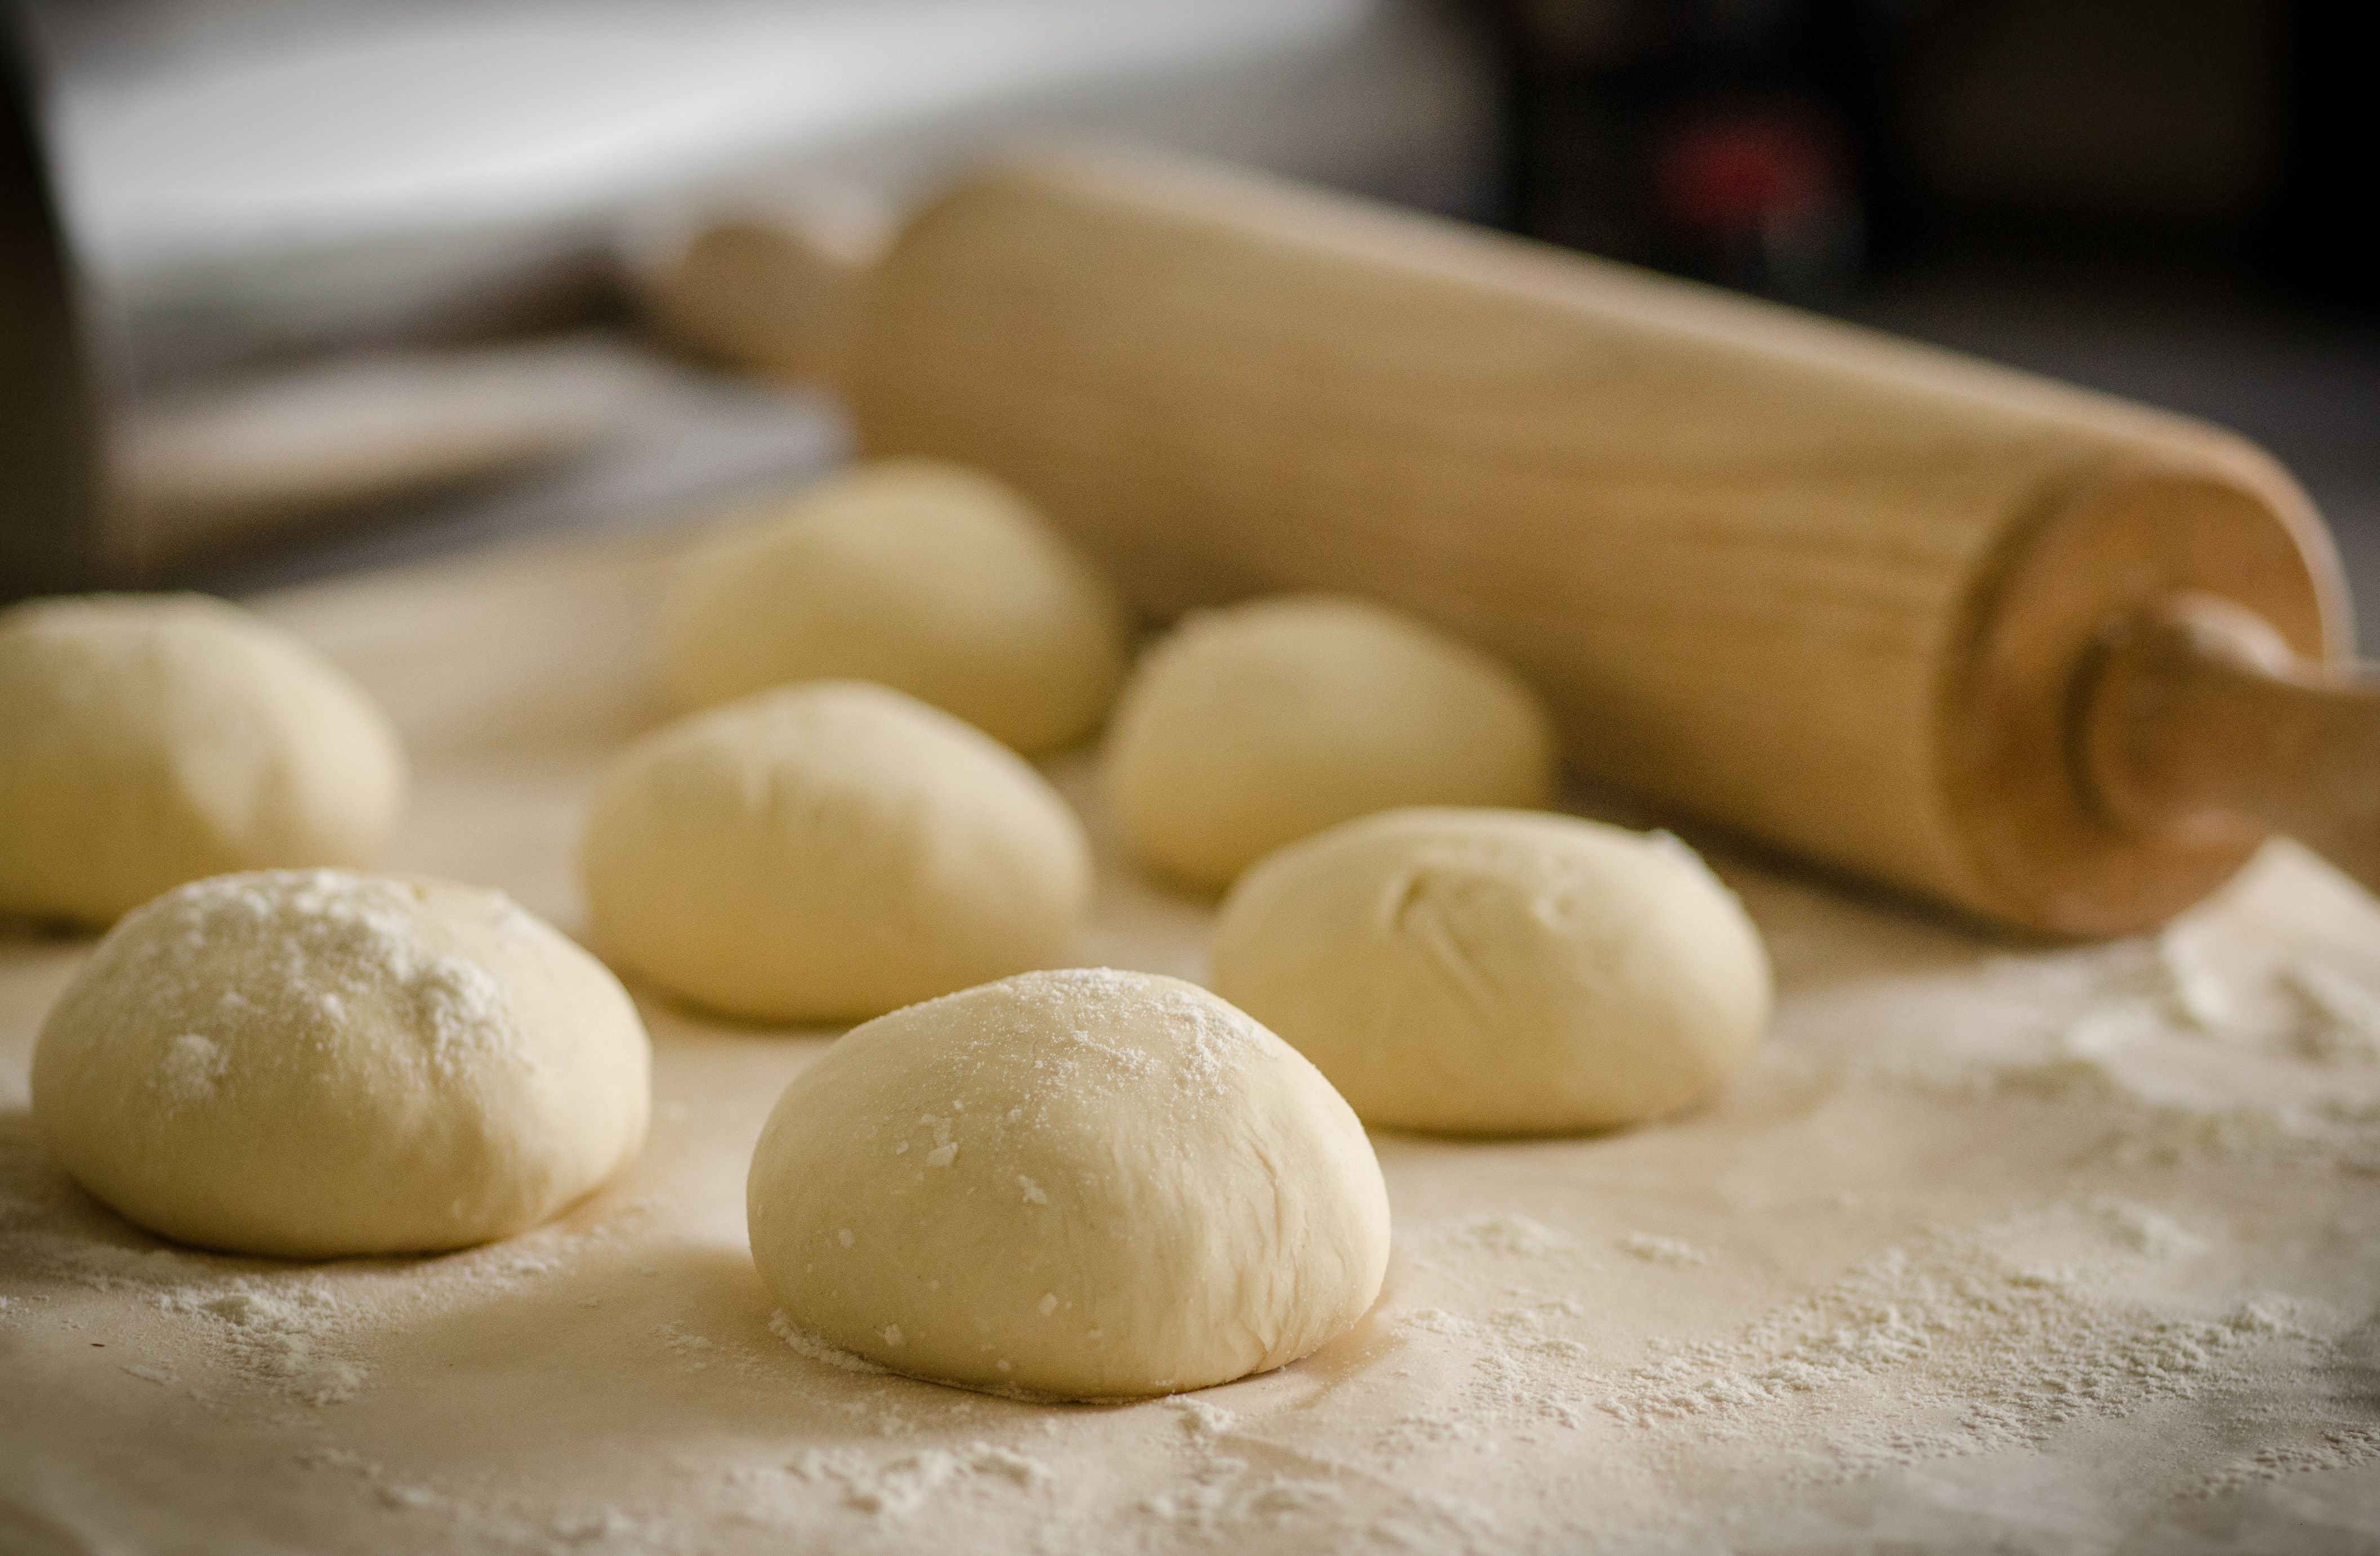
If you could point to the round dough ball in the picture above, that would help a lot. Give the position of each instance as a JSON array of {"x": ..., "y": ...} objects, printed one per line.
[
  {"x": 1251, "y": 727},
  {"x": 1498, "y": 972},
  {"x": 828, "y": 852},
  {"x": 150, "y": 740},
  {"x": 926, "y": 577},
  {"x": 1083, "y": 1185},
  {"x": 315, "y": 1064}
]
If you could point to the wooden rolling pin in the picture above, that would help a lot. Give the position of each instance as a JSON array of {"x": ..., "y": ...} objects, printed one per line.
[{"x": 2053, "y": 659}]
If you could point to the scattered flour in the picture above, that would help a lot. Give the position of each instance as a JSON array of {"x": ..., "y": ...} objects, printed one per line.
[
  {"x": 1203, "y": 1420},
  {"x": 898, "y": 1487},
  {"x": 2344, "y": 1448},
  {"x": 2149, "y": 1231},
  {"x": 1242, "y": 1482},
  {"x": 682, "y": 1342},
  {"x": 286, "y": 1329},
  {"x": 1654, "y": 1248},
  {"x": 2342, "y": 1017},
  {"x": 807, "y": 1344},
  {"x": 1982, "y": 1349},
  {"x": 289, "y": 1333},
  {"x": 1478, "y": 1415},
  {"x": 296, "y": 1331},
  {"x": 607, "y": 1526},
  {"x": 1510, "y": 1233}
]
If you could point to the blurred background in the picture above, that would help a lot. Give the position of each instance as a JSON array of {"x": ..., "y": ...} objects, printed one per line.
[{"x": 291, "y": 288}]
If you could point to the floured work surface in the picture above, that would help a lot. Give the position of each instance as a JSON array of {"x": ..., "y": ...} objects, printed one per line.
[{"x": 2065, "y": 1250}]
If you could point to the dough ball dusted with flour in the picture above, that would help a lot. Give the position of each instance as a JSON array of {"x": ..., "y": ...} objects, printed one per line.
[
  {"x": 1085, "y": 1185},
  {"x": 1498, "y": 971},
  {"x": 150, "y": 740},
  {"x": 830, "y": 851},
  {"x": 314, "y": 1064},
  {"x": 1251, "y": 727},
  {"x": 927, "y": 578}
]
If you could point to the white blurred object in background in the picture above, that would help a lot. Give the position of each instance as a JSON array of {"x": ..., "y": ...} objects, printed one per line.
[{"x": 244, "y": 176}]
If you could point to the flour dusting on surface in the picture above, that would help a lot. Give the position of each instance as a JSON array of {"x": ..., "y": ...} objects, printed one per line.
[
  {"x": 2005, "y": 1247},
  {"x": 898, "y": 1487},
  {"x": 1510, "y": 1233},
  {"x": 807, "y": 1344},
  {"x": 1654, "y": 1248}
]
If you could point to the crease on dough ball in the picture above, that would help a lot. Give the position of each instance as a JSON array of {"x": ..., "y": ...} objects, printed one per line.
[
  {"x": 1074, "y": 1185},
  {"x": 148, "y": 740},
  {"x": 1251, "y": 727},
  {"x": 315, "y": 1064},
  {"x": 928, "y": 578},
  {"x": 1498, "y": 972},
  {"x": 828, "y": 852}
]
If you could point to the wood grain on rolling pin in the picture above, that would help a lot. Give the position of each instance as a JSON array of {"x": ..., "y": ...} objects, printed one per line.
[{"x": 1798, "y": 578}]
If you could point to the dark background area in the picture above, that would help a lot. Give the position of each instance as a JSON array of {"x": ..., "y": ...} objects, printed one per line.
[
  {"x": 2165, "y": 201},
  {"x": 1803, "y": 147}
]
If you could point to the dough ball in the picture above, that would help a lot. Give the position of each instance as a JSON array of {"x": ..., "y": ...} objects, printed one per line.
[
  {"x": 150, "y": 740},
  {"x": 1251, "y": 727},
  {"x": 315, "y": 1064},
  {"x": 1498, "y": 972},
  {"x": 827, "y": 852},
  {"x": 1085, "y": 1185},
  {"x": 924, "y": 577}
]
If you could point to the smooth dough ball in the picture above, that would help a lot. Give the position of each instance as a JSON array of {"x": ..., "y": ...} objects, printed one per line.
[
  {"x": 150, "y": 740},
  {"x": 1251, "y": 727},
  {"x": 1083, "y": 1185},
  {"x": 926, "y": 577},
  {"x": 1498, "y": 972},
  {"x": 828, "y": 852},
  {"x": 315, "y": 1064}
]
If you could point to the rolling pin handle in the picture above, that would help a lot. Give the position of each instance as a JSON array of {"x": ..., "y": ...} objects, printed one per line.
[
  {"x": 2197, "y": 721},
  {"x": 774, "y": 289}
]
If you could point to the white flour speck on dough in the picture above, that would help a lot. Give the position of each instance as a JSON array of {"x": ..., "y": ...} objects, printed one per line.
[{"x": 193, "y": 1067}]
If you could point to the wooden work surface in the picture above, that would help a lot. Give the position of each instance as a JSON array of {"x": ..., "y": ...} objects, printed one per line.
[{"x": 1991, "y": 1245}]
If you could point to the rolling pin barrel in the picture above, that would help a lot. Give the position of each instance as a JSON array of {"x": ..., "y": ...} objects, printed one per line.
[{"x": 1837, "y": 592}]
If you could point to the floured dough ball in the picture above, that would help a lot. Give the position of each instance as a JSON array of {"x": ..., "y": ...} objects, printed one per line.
[
  {"x": 1498, "y": 972},
  {"x": 1251, "y": 727},
  {"x": 926, "y": 577},
  {"x": 315, "y": 1064},
  {"x": 827, "y": 852},
  {"x": 1085, "y": 1185},
  {"x": 150, "y": 740}
]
